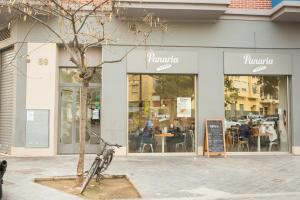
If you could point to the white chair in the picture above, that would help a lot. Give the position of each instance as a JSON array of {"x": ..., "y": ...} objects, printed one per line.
[
  {"x": 145, "y": 144},
  {"x": 271, "y": 144}
]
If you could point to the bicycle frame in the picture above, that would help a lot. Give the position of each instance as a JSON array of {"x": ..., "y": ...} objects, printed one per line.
[{"x": 99, "y": 164}]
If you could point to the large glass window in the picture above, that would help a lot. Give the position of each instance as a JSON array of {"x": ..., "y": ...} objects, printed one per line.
[
  {"x": 256, "y": 110},
  {"x": 161, "y": 113}
]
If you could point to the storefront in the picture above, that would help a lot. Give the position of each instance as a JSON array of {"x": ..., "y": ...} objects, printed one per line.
[
  {"x": 171, "y": 91},
  {"x": 257, "y": 101},
  {"x": 156, "y": 100},
  {"x": 162, "y": 85}
]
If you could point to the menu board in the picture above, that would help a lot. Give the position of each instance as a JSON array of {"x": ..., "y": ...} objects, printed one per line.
[{"x": 214, "y": 136}]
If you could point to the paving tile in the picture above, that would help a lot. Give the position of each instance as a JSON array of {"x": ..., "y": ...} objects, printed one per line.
[{"x": 184, "y": 177}]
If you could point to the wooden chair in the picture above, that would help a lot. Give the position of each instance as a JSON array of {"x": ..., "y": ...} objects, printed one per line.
[{"x": 243, "y": 142}]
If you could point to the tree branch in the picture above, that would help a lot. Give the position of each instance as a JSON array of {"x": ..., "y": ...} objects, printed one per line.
[
  {"x": 74, "y": 60},
  {"x": 125, "y": 55},
  {"x": 60, "y": 7},
  {"x": 82, "y": 6},
  {"x": 89, "y": 14}
]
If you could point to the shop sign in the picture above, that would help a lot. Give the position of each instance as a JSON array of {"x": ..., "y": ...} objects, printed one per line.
[
  {"x": 256, "y": 63},
  {"x": 162, "y": 61},
  {"x": 165, "y": 61},
  {"x": 260, "y": 64}
]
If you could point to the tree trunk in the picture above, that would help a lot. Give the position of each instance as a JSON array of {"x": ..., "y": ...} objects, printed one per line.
[{"x": 82, "y": 132}]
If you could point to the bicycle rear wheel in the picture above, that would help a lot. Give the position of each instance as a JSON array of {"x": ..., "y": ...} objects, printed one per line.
[{"x": 90, "y": 175}]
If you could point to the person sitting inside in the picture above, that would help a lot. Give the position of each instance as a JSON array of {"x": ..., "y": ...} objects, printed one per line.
[
  {"x": 273, "y": 138},
  {"x": 146, "y": 136},
  {"x": 272, "y": 133},
  {"x": 262, "y": 129},
  {"x": 244, "y": 131},
  {"x": 244, "y": 134},
  {"x": 228, "y": 139},
  {"x": 171, "y": 141},
  {"x": 173, "y": 129}
]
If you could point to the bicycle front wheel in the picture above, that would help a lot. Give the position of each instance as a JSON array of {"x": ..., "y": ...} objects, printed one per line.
[
  {"x": 90, "y": 175},
  {"x": 106, "y": 163}
]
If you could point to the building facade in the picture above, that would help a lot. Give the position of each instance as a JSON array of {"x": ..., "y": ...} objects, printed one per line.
[{"x": 217, "y": 59}]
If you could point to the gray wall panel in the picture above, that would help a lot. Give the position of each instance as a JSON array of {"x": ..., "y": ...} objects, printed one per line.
[
  {"x": 220, "y": 33},
  {"x": 114, "y": 98},
  {"x": 210, "y": 88},
  {"x": 295, "y": 107},
  {"x": 20, "y": 129}
]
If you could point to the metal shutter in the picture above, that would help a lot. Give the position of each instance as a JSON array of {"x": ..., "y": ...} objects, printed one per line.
[{"x": 6, "y": 99}]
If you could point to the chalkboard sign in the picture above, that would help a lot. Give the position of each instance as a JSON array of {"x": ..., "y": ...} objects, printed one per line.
[{"x": 214, "y": 137}]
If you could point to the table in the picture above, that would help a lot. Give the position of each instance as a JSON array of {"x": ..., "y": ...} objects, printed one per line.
[
  {"x": 163, "y": 136},
  {"x": 258, "y": 140}
]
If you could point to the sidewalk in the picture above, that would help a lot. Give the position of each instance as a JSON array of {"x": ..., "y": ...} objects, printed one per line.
[{"x": 235, "y": 177}]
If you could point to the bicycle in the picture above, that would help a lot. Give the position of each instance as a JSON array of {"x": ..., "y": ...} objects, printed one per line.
[
  {"x": 100, "y": 164},
  {"x": 3, "y": 166}
]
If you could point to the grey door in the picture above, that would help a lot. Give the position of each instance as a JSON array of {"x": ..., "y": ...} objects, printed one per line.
[
  {"x": 70, "y": 117},
  {"x": 6, "y": 99}
]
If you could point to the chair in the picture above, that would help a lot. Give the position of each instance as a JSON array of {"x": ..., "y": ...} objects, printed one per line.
[
  {"x": 235, "y": 136},
  {"x": 146, "y": 140},
  {"x": 192, "y": 140},
  {"x": 273, "y": 143},
  {"x": 181, "y": 144},
  {"x": 243, "y": 142}
]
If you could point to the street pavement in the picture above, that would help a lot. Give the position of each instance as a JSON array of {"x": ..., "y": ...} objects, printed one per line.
[{"x": 168, "y": 178}]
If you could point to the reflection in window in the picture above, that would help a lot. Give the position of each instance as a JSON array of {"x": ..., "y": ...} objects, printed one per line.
[
  {"x": 161, "y": 113},
  {"x": 256, "y": 119},
  {"x": 71, "y": 75}
]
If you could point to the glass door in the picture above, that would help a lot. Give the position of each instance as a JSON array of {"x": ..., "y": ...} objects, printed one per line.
[
  {"x": 67, "y": 120},
  {"x": 70, "y": 117}
]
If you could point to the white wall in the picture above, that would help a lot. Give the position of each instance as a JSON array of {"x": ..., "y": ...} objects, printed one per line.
[{"x": 41, "y": 92}]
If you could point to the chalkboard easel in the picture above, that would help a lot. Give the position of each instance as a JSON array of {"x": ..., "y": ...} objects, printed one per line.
[{"x": 214, "y": 139}]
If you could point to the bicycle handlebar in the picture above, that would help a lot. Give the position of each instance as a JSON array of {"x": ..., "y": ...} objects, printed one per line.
[
  {"x": 109, "y": 144},
  {"x": 106, "y": 143}
]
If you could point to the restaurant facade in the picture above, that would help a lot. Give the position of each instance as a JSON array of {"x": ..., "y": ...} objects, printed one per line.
[{"x": 215, "y": 62}]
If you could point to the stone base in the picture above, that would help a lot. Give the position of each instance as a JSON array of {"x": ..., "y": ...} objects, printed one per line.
[
  {"x": 296, "y": 150},
  {"x": 31, "y": 152},
  {"x": 200, "y": 151}
]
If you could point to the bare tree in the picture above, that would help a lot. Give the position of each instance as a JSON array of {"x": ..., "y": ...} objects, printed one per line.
[{"x": 84, "y": 26}]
